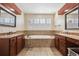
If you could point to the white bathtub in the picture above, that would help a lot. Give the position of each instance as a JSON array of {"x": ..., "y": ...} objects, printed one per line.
[{"x": 40, "y": 37}]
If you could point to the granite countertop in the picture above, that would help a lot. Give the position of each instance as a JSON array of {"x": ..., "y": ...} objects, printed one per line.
[
  {"x": 62, "y": 34},
  {"x": 11, "y": 35},
  {"x": 69, "y": 35}
]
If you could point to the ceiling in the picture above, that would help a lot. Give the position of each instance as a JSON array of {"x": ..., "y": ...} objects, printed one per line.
[{"x": 45, "y": 8}]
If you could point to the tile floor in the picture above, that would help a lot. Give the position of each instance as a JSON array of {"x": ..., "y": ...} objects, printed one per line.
[{"x": 39, "y": 52}]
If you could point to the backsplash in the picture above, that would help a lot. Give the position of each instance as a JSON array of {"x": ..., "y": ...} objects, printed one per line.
[{"x": 68, "y": 32}]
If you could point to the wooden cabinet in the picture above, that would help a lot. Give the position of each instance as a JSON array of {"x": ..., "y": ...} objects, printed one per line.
[
  {"x": 72, "y": 42},
  {"x": 23, "y": 41},
  {"x": 19, "y": 44},
  {"x": 8, "y": 46},
  {"x": 56, "y": 42},
  {"x": 11, "y": 46},
  {"x": 60, "y": 44},
  {"x": 4, "y": 47}
]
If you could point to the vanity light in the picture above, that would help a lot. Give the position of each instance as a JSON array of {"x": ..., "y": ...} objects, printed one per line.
[
  {"x": 65, "y": 10},
  {"x": 12, "y": 9}
]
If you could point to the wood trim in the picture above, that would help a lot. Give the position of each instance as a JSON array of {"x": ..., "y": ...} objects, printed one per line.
[
  {"x": 12, "y": 6},
  {"x": 67, "y": 6}
]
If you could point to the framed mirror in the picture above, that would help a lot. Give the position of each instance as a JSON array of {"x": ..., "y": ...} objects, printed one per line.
[
  {"x": 72, "y": 20},
  {"x": 7, "y": 18}
]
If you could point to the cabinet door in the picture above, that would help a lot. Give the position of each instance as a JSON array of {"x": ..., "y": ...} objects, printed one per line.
[
  {"x": 13, "y": 46},
  {"x": 23, "y": 41},
  {"x": 4, "y": 47},
  {"x": 57, "y": 42},
  {"x": 62, "y": 45},
  {"x": 19, "y": 44}
]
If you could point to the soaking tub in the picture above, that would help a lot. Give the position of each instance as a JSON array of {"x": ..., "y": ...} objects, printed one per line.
[
  {"x": 40, "y": 37},
  {"x": 39, "y": 41}
]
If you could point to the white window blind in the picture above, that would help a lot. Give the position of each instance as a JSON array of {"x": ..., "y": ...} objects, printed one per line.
[{"x": 40, "y": 21}]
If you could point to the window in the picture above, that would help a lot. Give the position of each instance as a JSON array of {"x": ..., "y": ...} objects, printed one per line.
[{"x": 40, "y": 21}]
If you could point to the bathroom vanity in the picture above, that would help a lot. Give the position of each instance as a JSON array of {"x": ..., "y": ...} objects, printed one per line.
[
  {"x": 65, "y": 41},
  {"x": 11, "y": 45}
]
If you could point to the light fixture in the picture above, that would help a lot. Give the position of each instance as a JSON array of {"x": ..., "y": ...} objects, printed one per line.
[
  {"x": 12, "y": 9},
  {"x": 66, "y": 10}
]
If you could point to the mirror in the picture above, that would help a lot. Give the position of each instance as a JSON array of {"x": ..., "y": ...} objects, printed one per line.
[
  {"x": 72, "y": 19},
  {"x": 7, "y": 19}
]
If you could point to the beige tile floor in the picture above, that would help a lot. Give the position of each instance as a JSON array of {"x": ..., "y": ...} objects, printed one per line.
[{"x": 39, "y": 52}]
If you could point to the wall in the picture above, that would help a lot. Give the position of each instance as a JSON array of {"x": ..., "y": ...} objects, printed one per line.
[
  {"x": 19, "y": 24},
  {"x": 59, "y": 22},
  {"x": 31, "y": 27}
]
